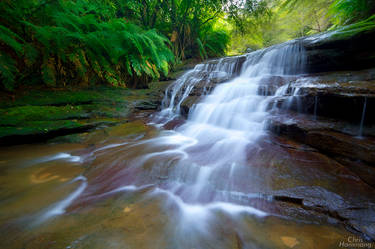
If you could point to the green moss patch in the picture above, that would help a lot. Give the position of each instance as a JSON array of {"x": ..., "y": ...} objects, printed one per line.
[{"x": 45, "y": 112}]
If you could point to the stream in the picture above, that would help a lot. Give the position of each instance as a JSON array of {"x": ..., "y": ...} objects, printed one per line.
[{"x": 218, "y": 179}]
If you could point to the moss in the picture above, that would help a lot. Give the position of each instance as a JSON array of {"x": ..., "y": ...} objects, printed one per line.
[
  {"x": 73, "y": 138},
  {"x": 40, "y": 112},
  {"x": 72, "y": 97},
  {"x": 38, "y": 127},
  {"x": 349, "y": 31},
  {"x": 16, "y": 116}
]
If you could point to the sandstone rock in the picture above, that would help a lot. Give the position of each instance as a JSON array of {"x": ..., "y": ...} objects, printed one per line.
[
  {"x": 336, "y": 50},
  {"x": 324, "y": 136},
  {"x": 187, "y": 104},
  {"x": 339, "y": 95}
]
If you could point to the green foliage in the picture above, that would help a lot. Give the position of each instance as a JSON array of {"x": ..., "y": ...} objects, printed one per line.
[
  {"x": 188, "y": 23},
  {"x": 350, "y": 11},
  {"x": 77, "y": 42},
  {"x": 11, "y": 46},
  {"x": 129, "y": 43},
  {"x": 288, "y": 19},
  {"x": 202, "y": 49},
  {"x": 342, "y": 12},
  {"x": 215, "y": 42},
  {"x": 353, "y": 29}
]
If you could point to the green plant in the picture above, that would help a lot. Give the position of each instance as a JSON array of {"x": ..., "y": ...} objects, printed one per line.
[
  {"x": 350, "y": 11},
  {"x": 67, "y": 42}
]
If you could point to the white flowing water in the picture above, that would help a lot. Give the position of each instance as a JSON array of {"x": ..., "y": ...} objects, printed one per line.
[
  {"x": 363, "y": 118},
  {"x": 316, "y": 107},
  {"x": 202, "y": 74},
  {"x": 207, "y": 155},
  {"x": 202, "y": 166}
]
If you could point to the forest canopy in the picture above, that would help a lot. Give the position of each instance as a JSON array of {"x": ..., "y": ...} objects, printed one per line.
[{"x": 59, "y": 43}]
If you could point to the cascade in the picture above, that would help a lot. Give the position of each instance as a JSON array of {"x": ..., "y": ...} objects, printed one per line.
[
  {"x": 205, "y": 74},
  {"x": 315, "y": 107},
  {"x": 223, "y": 126},
  {"x": 204, "y": 165},
  {"x": 363, "y": 118}
]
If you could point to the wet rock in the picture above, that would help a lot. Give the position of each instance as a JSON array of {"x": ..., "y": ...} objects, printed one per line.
[
  {"x": 270, "y": 84},
  {"x": 204, "y": 87},
  {"x": 312, "y": 197},
  {"x": 173, "y": 124},
  {"x": 357, "y": 216},
  {"x": 342, "y": 144},
  {"x": 340, "y": 95},
  {"x": 306, "y": 184},
  {"x": 334, "y": 105},
  {"x": 322, "y": 136},
  {"x": 364, "y": 171},
  {"x": 187, "y": 104},
  {"x": 232, "y": 65},
  {"x": 147, "y": 104},
  {"x": 340, "y": 50}
]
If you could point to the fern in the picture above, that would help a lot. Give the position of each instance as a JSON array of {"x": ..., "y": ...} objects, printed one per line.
[
  {"x": 71, "y": 41},
  {"x": 8, "y": 71},
  {"x": 350, "y": 11},
  {"x": 202, "y": 50},
  {"x": 214, "y": 44}
]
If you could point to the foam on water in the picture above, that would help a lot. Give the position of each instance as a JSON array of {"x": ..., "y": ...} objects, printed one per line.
[
  {"x": 61, "y": 156},
  {"x": 59, "y": 207}
]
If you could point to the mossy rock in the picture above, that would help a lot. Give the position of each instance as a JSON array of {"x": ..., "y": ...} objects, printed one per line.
[
  {"x": 38, "y": 127},
  {"x": 40, "y": 115},
  {"x": 16, "y": 116}
]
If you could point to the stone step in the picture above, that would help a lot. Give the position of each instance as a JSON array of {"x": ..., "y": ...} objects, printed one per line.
[
  {"x": 333, "y": 138},
  {"x": 339, "y": 95}
]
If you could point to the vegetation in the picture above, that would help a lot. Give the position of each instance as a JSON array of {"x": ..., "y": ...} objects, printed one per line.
[
  {"x": 121, "y": 43},
  {"x": 60, "y": 43},
  {"x": 76, "y": 42},
  {"x": 42, "y": 114},
  {"x": 282, "y": 20},
  {"x": 351, "y": 11}
]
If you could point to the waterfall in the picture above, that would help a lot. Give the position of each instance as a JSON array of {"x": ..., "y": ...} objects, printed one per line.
[
  {"x": 315, "y": 107},
  {"x": 204, "y": 165},
  {"x": 284, "y": 59},
  {"x": 223, "y": 125},
  {"x": 205, "y": 74},
  {"x": 363, "y": 118}
]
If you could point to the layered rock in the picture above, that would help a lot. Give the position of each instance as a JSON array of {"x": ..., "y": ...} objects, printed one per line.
[
  {"x": 331, "y": 113},
  {"x": 340, "y": 95},
  {"x": 349, "y": 48}
]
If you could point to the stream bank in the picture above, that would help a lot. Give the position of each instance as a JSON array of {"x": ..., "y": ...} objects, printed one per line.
[{"x": 61, "y": 115}]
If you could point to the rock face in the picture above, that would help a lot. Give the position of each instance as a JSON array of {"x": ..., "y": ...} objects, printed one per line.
[
  {"x": 331, "y": 112},
  {"x": 340, "y": 50},
  {"x": 325, "y": 136},
  {"x": 340, "y": 95}
]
